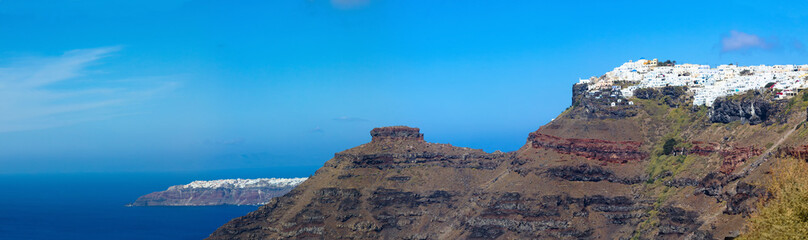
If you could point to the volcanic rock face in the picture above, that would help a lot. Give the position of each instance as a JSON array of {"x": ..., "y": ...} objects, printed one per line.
[
  {"x": 221, "y": 192},
  {"x": 389, "y": 138},
  {"x": 417, "y": 190},
  {"x": 754, "y": 108},
  {"x": 673, "y": 96},
  {"x": 578, "y": 91},
  {"x": 734, "y": 157},
  {"x": 602, "y": 150},
  {"x": 394, "y": 199},
  {"x": 600, "y": 104},
  {"x": 396, "y": 133},
  {"x": 590, "y": 173},
  {"x": 731, "y": 156},
  {"x": 595, "y": 172},
  {"x": 703, "y": 148}
]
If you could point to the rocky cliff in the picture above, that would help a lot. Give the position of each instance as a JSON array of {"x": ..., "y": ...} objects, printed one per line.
[
  {"x": 602, "y": 104},
  {"x": 221, "y": 192},
  {"x": 654, "y": 169},
  {"x": 753, "y": 108},
  {"x": 672, "y": 96}
]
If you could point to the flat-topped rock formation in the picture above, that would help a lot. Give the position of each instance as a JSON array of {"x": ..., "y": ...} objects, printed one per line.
[{"x": 399, "y": 133}]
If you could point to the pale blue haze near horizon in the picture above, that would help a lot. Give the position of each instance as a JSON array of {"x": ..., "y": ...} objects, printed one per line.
[{"x": 175, "y": 85}]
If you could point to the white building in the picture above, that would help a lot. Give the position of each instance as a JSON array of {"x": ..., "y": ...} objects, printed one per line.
[{"x": 705, "y": 83}]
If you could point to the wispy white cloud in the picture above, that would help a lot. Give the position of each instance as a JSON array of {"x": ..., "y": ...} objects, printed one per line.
[
  {"x": 38, "y": 92},
  {"x": 738, "y": 41}
]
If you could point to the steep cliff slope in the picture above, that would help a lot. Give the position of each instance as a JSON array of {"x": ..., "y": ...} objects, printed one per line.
[{"x": 657, "y": 168}]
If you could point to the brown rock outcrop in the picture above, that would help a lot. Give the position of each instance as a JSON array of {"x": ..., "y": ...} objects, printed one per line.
[
  {"x": 731, "y": 156},
  {"x": 396, "y": 133},
  {"x": 735, "y": 156},
  {"x": 595, "y": 149},
  {"x": 703, "y": 148},
  {"x": 798, "y": 152}
]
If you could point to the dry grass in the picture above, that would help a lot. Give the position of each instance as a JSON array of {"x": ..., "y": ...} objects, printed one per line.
[{"x": 784, "y": 214}]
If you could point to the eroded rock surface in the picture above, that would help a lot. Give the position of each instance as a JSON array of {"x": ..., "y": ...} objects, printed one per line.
[
  {"x": 672, "y": 96},
  {"x": 596, "y": 149},
  {"x": 799, "y": 152},
  {"x": 753, "y": 108},
  {"x": 601, "y": 104}
]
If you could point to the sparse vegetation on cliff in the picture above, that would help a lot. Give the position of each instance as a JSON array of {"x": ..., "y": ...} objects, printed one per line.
[{"x": 784, "y": 215}]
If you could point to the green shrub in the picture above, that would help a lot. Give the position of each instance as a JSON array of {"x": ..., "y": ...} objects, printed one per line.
[{"x": 669, "y": 145}]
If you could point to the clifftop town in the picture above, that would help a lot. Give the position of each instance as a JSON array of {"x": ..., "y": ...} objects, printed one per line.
[{"x": 706, "y": 84}]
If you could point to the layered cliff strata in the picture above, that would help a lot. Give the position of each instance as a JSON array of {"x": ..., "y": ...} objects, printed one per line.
[
  {"x": 596, "y": 149},
  {"x": 731, "y": 156},
  {"x": 578, "y": 177},
  {"x": 221, "y": 192},
  {"x": 403, "y": 187}
]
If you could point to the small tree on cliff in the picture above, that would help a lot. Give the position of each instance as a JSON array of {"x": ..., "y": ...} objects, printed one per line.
[{"x": 667, "y": 148}]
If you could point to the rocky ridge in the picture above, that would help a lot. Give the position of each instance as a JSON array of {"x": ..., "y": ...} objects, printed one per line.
[{"x": 657, "y": 168}]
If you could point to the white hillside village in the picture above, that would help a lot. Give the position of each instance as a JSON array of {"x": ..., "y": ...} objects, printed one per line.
[
  {"x": 243, "y": 183},
  {"x": 705, "y": 83}
]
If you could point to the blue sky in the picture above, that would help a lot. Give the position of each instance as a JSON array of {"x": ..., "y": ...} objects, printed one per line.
[{"x": 175, "y": 85}]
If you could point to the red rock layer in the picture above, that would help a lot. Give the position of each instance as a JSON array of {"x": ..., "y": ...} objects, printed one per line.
[
  {"x": 799, "y": 152},
  {"x": 595, "y": 149},
  {"x": 735, "y": 156},
  {"x": 703, "y": 148},
  {"x": 731, "y": 156}
]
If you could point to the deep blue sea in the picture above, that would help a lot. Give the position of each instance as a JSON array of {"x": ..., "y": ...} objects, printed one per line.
[{"x": 91, "y": 205}]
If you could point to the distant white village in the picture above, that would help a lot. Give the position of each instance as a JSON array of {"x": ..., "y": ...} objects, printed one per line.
[
  {"x": 243, "y": 183},
  {"x": 705, "y": 83}
]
